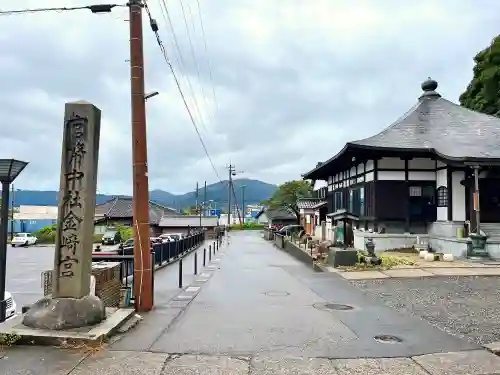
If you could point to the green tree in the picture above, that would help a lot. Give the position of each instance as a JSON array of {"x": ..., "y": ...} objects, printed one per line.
[
  {"x": 482, "y": 93},
  {"x": 287, "y": 194}
]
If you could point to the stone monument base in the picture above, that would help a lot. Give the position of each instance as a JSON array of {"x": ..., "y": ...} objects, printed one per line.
[{"x": 65, "y": 313}]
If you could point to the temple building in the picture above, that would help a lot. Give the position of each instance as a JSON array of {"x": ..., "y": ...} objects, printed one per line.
[{"x": 415, "y": 179}]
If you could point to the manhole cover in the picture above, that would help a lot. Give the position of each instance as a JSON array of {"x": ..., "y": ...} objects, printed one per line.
[
  {"x": 388, "y": 339},
  {"x": 277, "y": 294},
  {"x": 332, "y": 306}
]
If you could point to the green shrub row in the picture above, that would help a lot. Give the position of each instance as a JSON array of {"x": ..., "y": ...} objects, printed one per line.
[
  {"x": 248, "y": 226},
  {"x": 47, "y": 235}
]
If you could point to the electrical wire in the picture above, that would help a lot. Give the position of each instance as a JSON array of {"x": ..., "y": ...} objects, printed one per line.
[
  {"x": 191, "y": 47},
  {"x": 179, "y": 58},
  {"x": 154, "y": 27},
  {"x": 99, "y": 8},
  {"x": 208, "y": 56}
]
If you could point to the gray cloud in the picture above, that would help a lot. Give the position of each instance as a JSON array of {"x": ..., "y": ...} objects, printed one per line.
[{"x": 293, "y": 82}]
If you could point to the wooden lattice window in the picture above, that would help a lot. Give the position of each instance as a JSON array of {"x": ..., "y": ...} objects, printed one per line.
[{"x": 442, "y": 196}]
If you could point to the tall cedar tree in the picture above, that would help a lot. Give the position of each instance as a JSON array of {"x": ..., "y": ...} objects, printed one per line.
[{"x": 483, "y": 92}]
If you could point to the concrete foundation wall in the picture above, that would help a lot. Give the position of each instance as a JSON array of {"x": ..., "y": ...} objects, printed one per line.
[{"x": 386, "y": 241}]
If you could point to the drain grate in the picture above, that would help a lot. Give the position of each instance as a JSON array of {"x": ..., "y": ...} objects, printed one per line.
[
  {"x": 277, "y": 294},
  {"x": 388, "y": 339},
  {"x": 332, "y": 306}
]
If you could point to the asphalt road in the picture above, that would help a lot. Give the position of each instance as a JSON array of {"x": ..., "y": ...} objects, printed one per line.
[
  {"x": 261, "y": 301},
  {"x": 26, "y": 264},
  {"x": 24, "y": 268}
]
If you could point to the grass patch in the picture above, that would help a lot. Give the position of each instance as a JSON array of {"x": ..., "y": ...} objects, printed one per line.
[{"x": 389, "y": 260}]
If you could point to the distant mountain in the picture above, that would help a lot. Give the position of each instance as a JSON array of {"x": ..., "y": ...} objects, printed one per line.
[{"x": 255, "y": 192}]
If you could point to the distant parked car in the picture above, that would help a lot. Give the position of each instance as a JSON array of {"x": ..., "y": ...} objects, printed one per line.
[
  {"x": 111, "y": 237},
  {"x": 10, "y": 306},
  {"x": 166, "y": 238},
  {"x": 291, "y": 229},
  {"x": 23, "y": 239},
  {"x": 128, "y": 243}
]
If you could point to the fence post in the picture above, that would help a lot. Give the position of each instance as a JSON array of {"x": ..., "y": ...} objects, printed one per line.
[
  {"x": 209, "y": 253},
  {"x": 152, "y": 278},
  {"x": 196, "y": 262},
  {"x": 204, "y": 256},
  {"x": 180, "y": 272}
]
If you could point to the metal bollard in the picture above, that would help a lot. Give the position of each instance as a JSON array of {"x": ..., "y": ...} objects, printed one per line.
[
  {"x": 214, "y": 247},
  {"x": 204, "y": 256},
  {"x": 196, "y": 262},
  {"x": 209, "y": 253},
  {"x": 180, "y": 272},
  {"x": 217, "y": 245}
]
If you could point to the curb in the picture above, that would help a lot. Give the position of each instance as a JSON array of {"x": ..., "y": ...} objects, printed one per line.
[{"x": 299, "y": 254}]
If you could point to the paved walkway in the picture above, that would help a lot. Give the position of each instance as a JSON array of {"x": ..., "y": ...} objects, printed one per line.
[{"x": 256, "y": 310}]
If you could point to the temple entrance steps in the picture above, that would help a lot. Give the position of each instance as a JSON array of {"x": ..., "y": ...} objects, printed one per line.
[{"x": 491, "y": 229}]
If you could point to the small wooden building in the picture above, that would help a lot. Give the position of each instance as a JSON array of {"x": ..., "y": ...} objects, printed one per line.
[
  {"x": 119, "y": 211},
  {"x": 280, "y": 217},
  {"x": 415, "y": 178}
]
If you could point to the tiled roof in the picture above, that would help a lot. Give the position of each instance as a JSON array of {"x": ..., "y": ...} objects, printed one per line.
[
  {"x": 280, "y": 213},
  {"x": 184, "y": 221},
  {"x": 307, "y": 202},
  {"x": 320, "y": 204},
  {"x": 435, "y": 125},
  {"x": 448, "y": 128},
  {"x": 121, "y": 207}
]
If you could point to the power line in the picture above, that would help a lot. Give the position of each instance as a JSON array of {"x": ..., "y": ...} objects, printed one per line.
[
  {"x": 208, "y": 56},
  {"x": 154, "y": 27},
  {"x": 195, "y": 60},
  {"x": 179, "y": 58},
  {"x": 98, "y": 8}
]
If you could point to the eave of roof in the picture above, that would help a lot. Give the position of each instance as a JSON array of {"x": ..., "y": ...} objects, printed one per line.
[{"x": 434, "y": 127}]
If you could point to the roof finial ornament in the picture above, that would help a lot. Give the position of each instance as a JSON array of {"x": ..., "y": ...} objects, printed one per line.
[{"x": 429, "y": 85}]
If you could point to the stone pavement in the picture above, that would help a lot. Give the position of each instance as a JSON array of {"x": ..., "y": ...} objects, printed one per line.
[
  {"x": 257, "y": 310},
  {"x": 412, "y": 272}
]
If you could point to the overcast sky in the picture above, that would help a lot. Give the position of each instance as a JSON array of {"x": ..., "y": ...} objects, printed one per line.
[{"x": 293, "y": 80}]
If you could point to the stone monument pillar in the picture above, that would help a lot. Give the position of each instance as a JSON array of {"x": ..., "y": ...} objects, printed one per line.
[{"x": 71, "y": 304}]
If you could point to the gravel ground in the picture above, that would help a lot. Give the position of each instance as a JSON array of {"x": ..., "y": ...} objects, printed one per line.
[{"x": 464, "y": 306}]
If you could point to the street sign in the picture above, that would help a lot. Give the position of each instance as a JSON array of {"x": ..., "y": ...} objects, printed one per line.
[{"x": 214, "y": 212}]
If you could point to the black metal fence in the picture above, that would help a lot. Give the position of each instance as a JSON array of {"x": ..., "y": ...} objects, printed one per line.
[{"x": 161, "y": 253}]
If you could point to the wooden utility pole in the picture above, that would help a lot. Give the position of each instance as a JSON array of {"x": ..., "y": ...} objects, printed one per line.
[
  {"x": 229, "y": 192},
  {"x": 143, "y": 286},
  {"x": 205, "y": 199},
  {"x": 243, "y": 203}
]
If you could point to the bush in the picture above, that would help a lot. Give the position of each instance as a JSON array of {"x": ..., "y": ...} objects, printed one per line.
[
  {"x": 125, "y": 231},
  {"x": 46, "y": 234},
  {"x": 248, "y": 226}
]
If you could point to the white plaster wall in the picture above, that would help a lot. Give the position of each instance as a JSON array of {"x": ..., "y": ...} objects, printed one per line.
[
  {"x": 392, "y": 163},
  {"x": 391, "y": 175},
  {"x": 441, "y": 178},
  {"x": 440, "y": 164},
  {"x": 421, "y": 163},
  {"x": 369, "y": 165},
  {"x": 442, "y": 212},
  {"x": 361, "y": 168},
  {"x": 319, "y": 184},
  {"x": 421, "y": 176},
  {"x": 369, "y": 176},
  {"x": 458, "y": 196}
]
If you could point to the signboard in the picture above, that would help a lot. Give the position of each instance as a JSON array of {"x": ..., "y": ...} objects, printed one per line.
[{"x": 214, "y": 212}]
